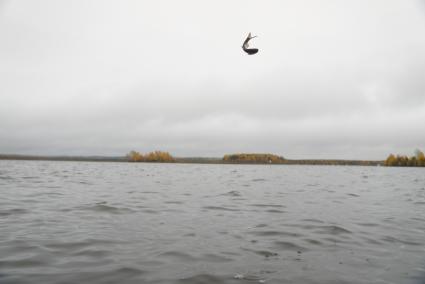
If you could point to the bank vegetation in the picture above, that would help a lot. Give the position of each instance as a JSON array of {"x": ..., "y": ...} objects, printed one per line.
[
  {"x": 245, "y": 158},
  {"x": 156, "y": 156},
  {"x": 418, "y": 160}
]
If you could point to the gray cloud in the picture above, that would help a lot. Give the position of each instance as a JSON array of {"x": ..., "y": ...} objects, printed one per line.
[{"x": 337, "y": 79}]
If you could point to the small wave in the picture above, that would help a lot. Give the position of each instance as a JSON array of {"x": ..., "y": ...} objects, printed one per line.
[
  {"x": 264, "y": 253},
  {"x": 368, "y": 224},
  {"x": 268, "y": 205},
  {"x": 104, "y": 208},
  {"x": 261, "y": 225},
  {"x": 21, "y": 263},
  {"x": 92, "y": 253},
  {"x": 29, "y": 177},
  {"x": 151, "y": 211},
  {"x": 313, "y": 242},
  {"x": 153, "y": 263},
  {"x": 275, "y": 211},
  {"x": 405, "y": 242},
  {"x": 220, "y": 208},
  {"x": 234, "y": 193},
  {"x": 108, "y": 276},
  {"x": 174, "y": 202},
  {"x": 372, "y": 241},
  {"x": 170, "y": 210},
  {"x": 80, "y": 245},
  {"x": 125, "y": 271},
  {"x": 334, "y": 240},
  {"x": 275, "y": 233},
  {"x": 313, "y": 221},
  {"x": 177, "y": 255},
  {"x": 202, "y": 279},
  {"x": 209, "y": 257},
  {"x": 47, "y": 193},
  {"x": 68, "y": 245},
  {"x": 250, "y": 278},
  {"x": 6, "y": 178},
  {"x": 14, "y": 211},
  {"x": 418, "y": 219},
  {"x": 333, "y": 230},
  {"x": 289, "y": 246}
]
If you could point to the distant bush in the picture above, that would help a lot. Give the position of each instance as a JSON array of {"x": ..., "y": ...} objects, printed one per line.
[
  {"x": 253, "y": 158},
  {"x": 403, "y": 161},
  {"x": 157, "y": 156}
]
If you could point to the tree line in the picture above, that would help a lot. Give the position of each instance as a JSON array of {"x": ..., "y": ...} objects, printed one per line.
[
  {"x": 418, "y": 160},
  {"x": 156, "y": 156},
  {"x": 253, "y": 158}
]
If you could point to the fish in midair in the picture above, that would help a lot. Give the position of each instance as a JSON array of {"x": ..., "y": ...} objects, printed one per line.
[{"x": 246, "y": 48}]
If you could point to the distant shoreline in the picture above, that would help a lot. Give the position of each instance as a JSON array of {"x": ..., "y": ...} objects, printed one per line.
[{"x": 191, "y": 160}]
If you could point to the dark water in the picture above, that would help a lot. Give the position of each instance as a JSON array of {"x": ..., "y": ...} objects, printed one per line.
[{"x": 71, "y": 222}]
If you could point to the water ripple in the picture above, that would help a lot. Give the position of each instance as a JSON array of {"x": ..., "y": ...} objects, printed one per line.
[{"x": 78, "y": 222}]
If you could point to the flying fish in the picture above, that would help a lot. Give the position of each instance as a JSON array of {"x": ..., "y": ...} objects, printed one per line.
[{"x": 246, "y": 48}]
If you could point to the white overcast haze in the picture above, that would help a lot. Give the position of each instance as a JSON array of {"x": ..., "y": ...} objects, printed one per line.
[{"x": 333, "y": 78}]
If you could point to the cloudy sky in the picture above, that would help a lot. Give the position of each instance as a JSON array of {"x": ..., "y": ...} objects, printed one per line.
[{"x": 332, "y": 79}]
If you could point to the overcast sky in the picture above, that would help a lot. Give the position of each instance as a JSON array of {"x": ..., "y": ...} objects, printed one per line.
[{"x": 332, "y": 79}]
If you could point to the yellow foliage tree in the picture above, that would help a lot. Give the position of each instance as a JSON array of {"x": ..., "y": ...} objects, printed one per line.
[
  {"x": 403, "y": 161},
  {"x": 157, "y": 156},
  {"x": 391, "y": 161},
  {"x": 134, "y": 156},
  {"x": 420, "y": 158}
]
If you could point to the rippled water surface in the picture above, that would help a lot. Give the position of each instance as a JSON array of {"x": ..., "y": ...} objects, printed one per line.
[{"x": 72, "y": 222}]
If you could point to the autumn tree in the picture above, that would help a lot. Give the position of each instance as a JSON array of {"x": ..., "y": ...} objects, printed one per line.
[
  {"x": 134, "y": 156},
  {"x": 420, "y": 157},
  {"x": 403, "y": 161},
  {"x": 391, "y": 161},
  {"x": 157, "y": 156}
]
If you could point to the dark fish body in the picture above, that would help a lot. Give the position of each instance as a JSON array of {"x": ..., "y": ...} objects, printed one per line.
[{"x": 251, "y": 51}]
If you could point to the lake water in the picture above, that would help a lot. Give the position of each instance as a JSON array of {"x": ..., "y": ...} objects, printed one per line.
[{"x": 83, "y": 222}]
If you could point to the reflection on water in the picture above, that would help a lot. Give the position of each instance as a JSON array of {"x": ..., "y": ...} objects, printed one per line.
[{"x": 72, "y": 222}]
